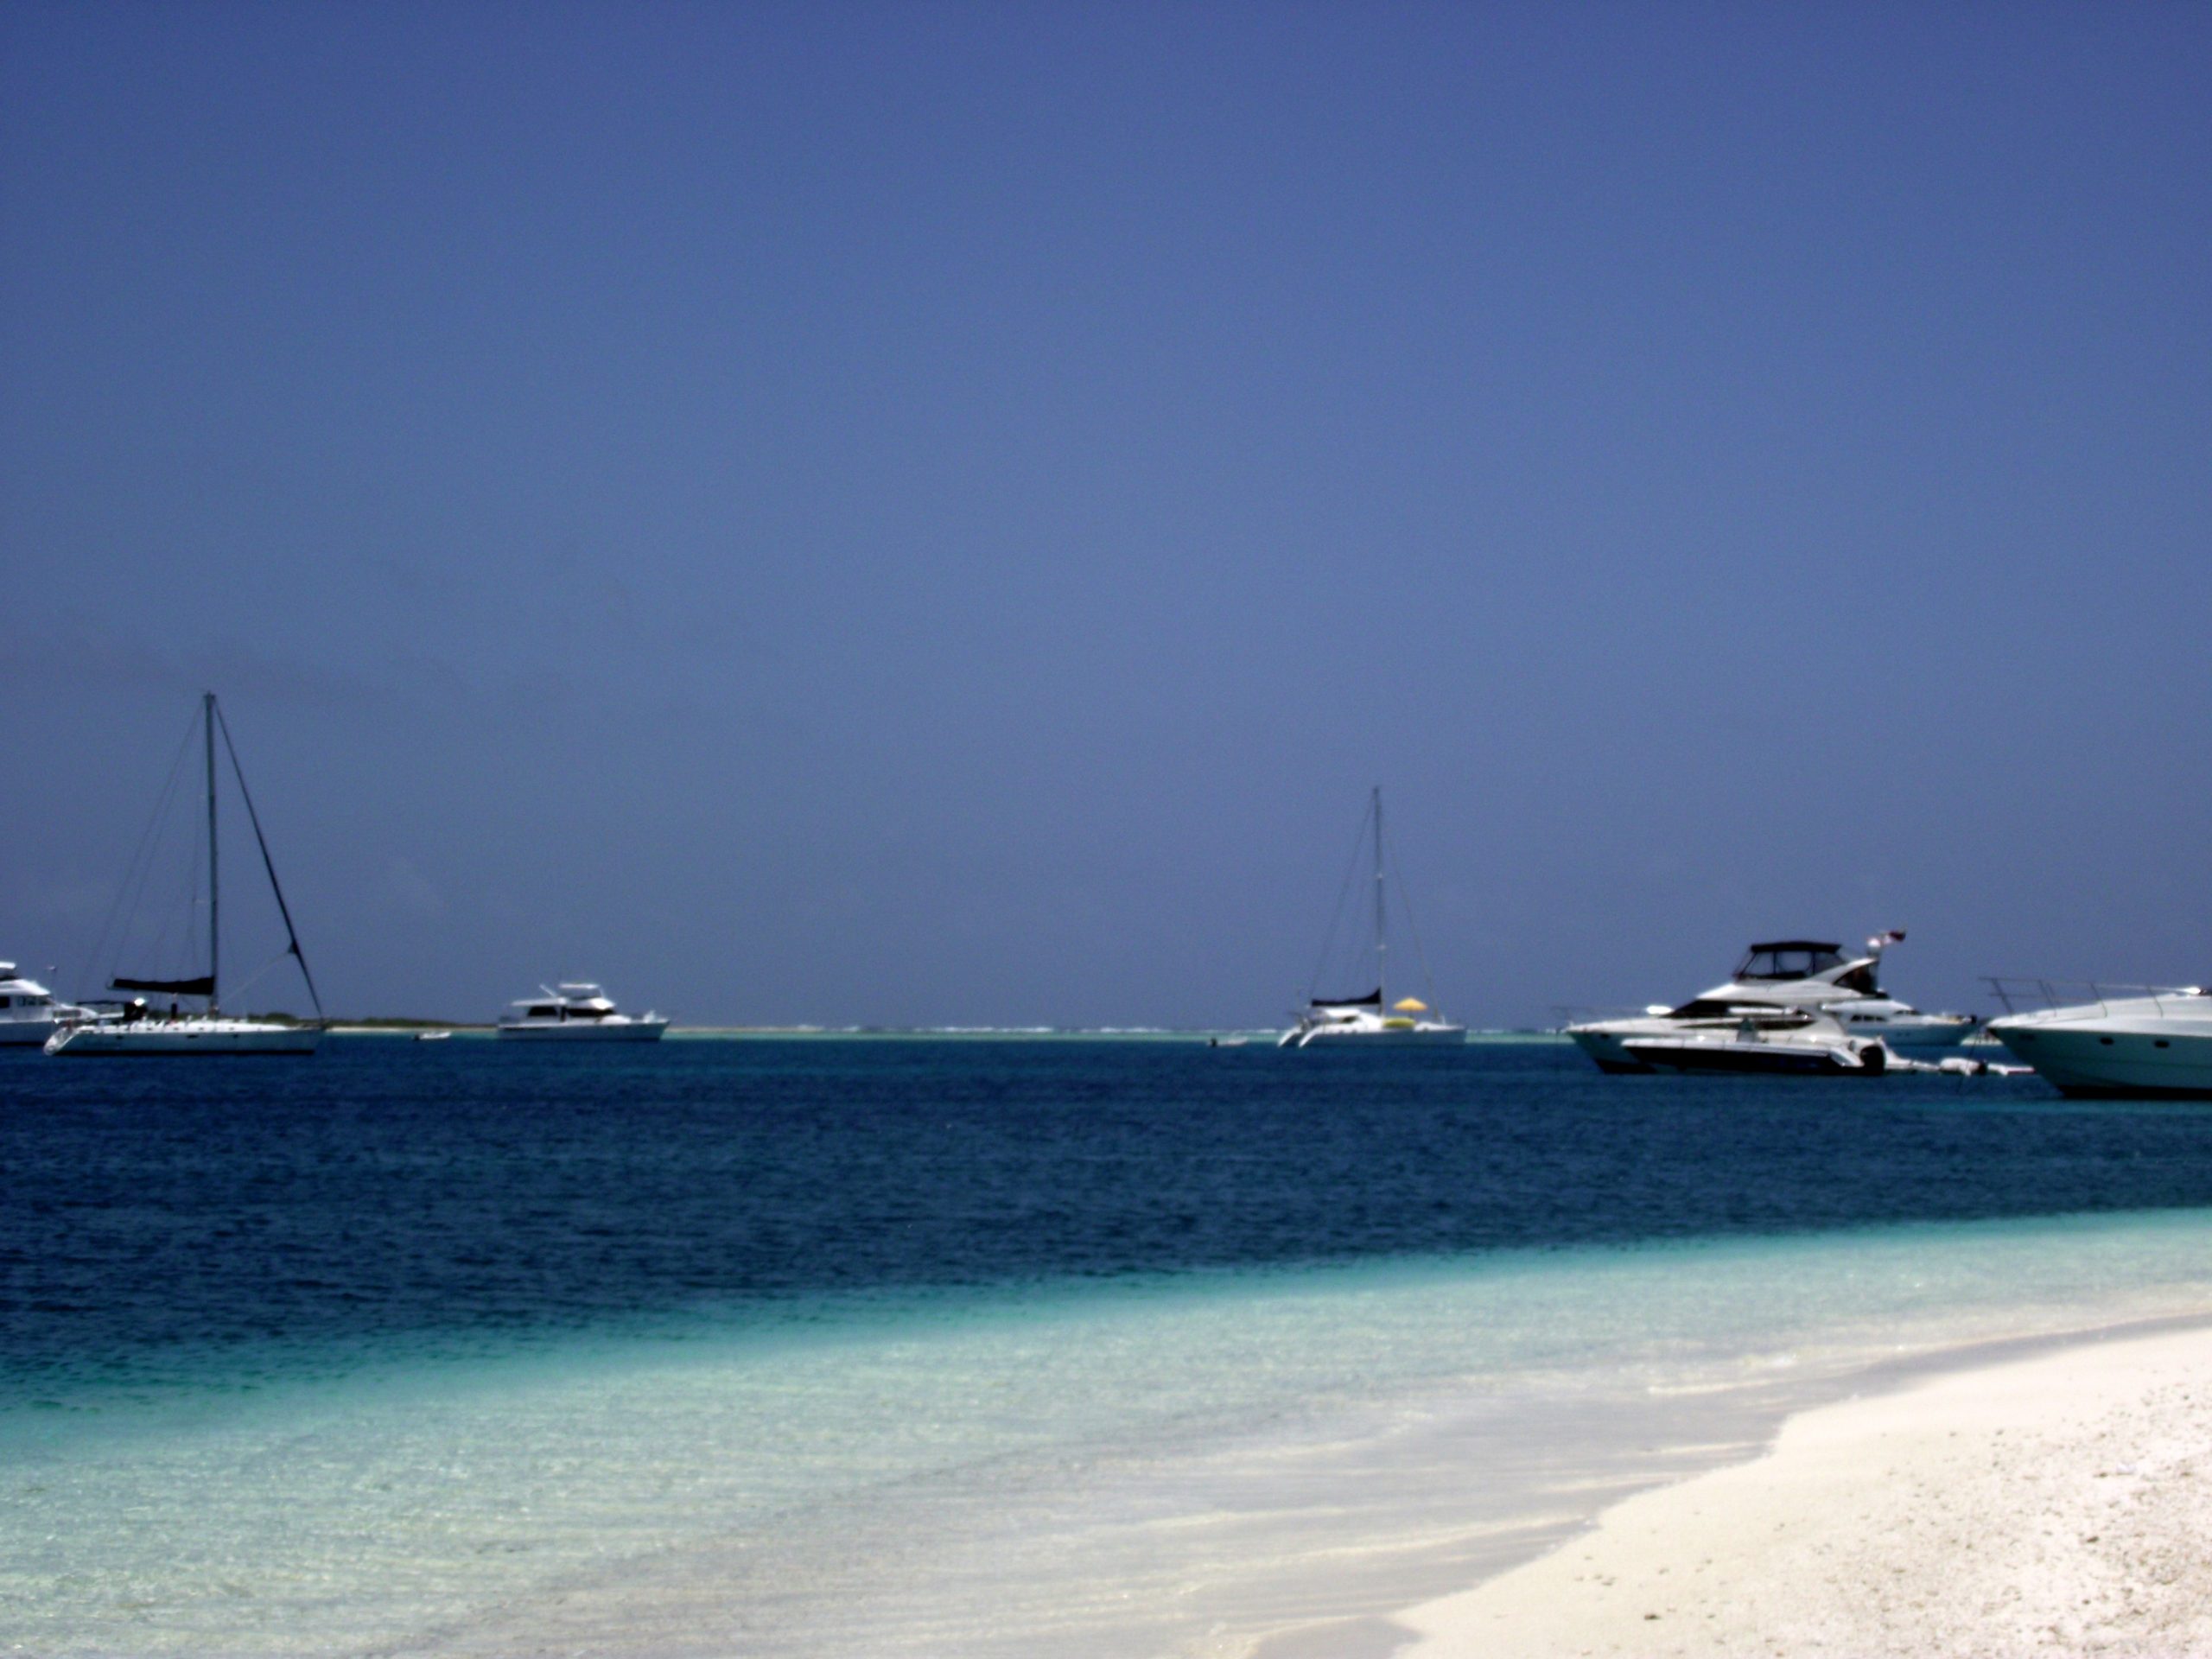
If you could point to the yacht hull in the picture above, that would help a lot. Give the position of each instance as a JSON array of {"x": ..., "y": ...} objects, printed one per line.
[
  {"x": 1608, "y": 1048},
  {"x": 1768, "y": 1059},
  {"x": 2113, "y": 1063},
  {"x": 580, "y": 1031},
  {"x": 1936, "y": 1035},
  {"x": 170, "y": 1038},
  {"x": 1609, "y": 1044}
]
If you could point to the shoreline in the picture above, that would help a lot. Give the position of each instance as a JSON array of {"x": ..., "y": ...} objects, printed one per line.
[
  {"x": 2034, "y": 1494},
  {"x": 1310, "y": 1531}
]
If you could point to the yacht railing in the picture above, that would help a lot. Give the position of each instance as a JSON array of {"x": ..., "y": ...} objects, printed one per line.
[{"x": 2031, "y": 994}]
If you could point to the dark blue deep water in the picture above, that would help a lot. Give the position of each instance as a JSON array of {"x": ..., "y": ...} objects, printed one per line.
[{"x": 470, "y": 1192}]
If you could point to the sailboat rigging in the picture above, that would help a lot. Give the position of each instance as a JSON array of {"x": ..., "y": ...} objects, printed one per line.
[
  {"x": 1372, "y": 1019},
  {"x": 138, "y": 1030}
]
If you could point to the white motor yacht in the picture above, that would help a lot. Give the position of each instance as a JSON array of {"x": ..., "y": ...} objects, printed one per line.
[
  {"x": 1801, "y": 974},
  {"x": 29, "y": 1014},
  {"x": 576, "y": 1011},
  {"x": 1367, "y": 1021},
  {"x": 139, "y": 1029},
  {"x": 2124, "y": 1043}
]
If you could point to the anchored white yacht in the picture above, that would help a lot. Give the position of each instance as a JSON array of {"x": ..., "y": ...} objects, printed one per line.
[
  {"x": 29, "y": 1014},
  {"x": 1804, "y": 975},
  {"x": 140, "y": 1029},
  {"x": 1370, "y": 1021},
  {"x": 2133, "y": 1042},
  {"x": 576, "y": 1011}
]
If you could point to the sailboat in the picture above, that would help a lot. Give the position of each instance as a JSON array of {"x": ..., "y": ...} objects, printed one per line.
[
  {"x": 139, "y": 1030},
  {"x": 1372, "y": 1021}
]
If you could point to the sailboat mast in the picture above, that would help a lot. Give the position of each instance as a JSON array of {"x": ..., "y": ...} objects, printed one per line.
[
  {"x": 1382, "y": 942},
  {"x": 214, "y": 889}
]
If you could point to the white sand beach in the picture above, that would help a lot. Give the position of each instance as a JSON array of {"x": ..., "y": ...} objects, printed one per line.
[{"x": 2061, "y": 1503}]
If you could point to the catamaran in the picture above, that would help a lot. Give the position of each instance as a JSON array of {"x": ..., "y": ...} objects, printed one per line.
[
  {"x": 1372, "y": 1021},
  {"x": 138, "y": 1028}
]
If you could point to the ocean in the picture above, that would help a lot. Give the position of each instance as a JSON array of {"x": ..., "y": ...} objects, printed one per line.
[{"x": 842, "y": 1347}]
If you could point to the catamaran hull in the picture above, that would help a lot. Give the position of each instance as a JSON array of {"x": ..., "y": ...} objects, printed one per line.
[
  {"x": 183, "y": 1037},
  {"x": 1421, "y": 1037}
]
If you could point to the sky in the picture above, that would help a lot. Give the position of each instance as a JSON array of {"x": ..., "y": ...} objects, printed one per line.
[{"x": 940, "y": 514}]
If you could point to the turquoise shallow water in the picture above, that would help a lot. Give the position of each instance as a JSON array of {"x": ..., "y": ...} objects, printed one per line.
[{"x": 1041, "y": 1423}]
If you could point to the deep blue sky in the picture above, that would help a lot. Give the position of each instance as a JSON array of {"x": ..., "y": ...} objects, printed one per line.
[{"x": 927, "y": 513}]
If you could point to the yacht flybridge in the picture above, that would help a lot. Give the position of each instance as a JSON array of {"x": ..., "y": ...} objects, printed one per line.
[
  {"x": 1803, "y": 976},
  {"x": 577, "y": 1011},
  {"x": 137, "y": 1028},
  {"x": 29, "y": 1014},
  {"x": 1371, "y": 1022}
]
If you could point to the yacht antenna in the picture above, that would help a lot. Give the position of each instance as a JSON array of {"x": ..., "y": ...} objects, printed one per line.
[
  {"x": 1382, "y": 942},
  {"x": 215, "y": 901}
]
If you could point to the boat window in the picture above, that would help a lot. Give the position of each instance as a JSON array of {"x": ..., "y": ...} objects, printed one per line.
[
  {"x": 1788, "y": 961},
  {"x": 7, "y": 1002},
  {"x": 1738, "y": 1008},
  {"x": 587, "y": 1013},
  {"x": 1860, "y": 980},
  {"x": 544, "y": 1011},
  {"x": 1701, "y": 1009}
]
